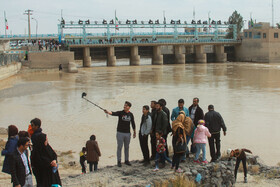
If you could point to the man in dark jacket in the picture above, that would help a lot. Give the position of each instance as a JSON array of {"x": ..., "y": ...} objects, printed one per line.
[
  {"x": 153, "y": 131},
  {"x": 36, "y": 127},
  {"x": 19, "y": 165},
  {"x": 214, "y": 122}
]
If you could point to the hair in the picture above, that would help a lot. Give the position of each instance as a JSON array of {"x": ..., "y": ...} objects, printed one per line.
[
  {"x": 23, "y": 134},
  {"x": 22, "y": 141},
  {"x": 211, "y": 107},
  {"x": 196, "y": 99},
  {"x": 128, "y": 103},
  {"x": 92, "y": 137},
  {"x": 159, "y": 132},
  {"x": 181, "y": 101},
  {"x": 84, "y": 149},
  {"x": 153, "y": 102},
  {"x": 12, "y": 130},
  {"x": 36, "y": 122},
  {"x": 160, "y": 104},
  {"x": 146, "y": 107},
  {"x": 162, "y": 101}
]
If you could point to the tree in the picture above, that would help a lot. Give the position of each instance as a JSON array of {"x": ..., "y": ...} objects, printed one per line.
[
  {"x": 237, "y": 19},
  {"x": 278, "y": 25}
]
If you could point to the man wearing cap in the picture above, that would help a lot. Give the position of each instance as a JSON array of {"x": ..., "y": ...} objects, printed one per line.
[{"x": 214, "y": 122}]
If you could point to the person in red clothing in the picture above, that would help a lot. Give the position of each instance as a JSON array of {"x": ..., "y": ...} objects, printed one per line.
[{"x": 161, "y": 149}]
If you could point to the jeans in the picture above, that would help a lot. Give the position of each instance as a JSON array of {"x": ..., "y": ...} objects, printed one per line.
[
  {"x": 215, "y": 139},
  {"x": 144, "y": 146},
  {"x": 237, "y": 166},
  {"x": 83, "y": 167},
  {"x": 91, "y": 164},
  {"x": 123, "y": 139},
  {"x": 163, "y": 157},
  {"x": 200, "y": 146}
]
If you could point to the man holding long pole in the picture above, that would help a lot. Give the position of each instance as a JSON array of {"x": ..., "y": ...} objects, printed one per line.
[{"x": 123, "y": 131}]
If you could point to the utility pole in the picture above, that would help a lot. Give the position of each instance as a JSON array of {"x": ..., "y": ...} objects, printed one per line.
[
  {"x": 28, "y": 12},
  {"x": 164, "y": 21},
  {"x": 61, "y": 26},
  {"x": 272, "y": 14},
  {"x": 5, "y": 24}
]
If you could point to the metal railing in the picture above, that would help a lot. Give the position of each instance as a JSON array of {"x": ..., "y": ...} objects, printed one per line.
[{"x": 6, "y": 59}]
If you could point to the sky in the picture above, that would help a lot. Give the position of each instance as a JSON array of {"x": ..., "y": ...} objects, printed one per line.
[{"x": 48, "y": 12}]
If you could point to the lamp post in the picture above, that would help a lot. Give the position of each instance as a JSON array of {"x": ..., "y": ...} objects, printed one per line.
[{"x": 36, "y": 28}]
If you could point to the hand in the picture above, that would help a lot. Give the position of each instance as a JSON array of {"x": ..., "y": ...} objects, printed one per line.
[
  {"x": 134, "y": 134},
  {"x": 106, "y": 111},
  {"x": 225, "y": 133},
  {"x": 53, "y": 163},
  {"x": 18, "y": 185}
]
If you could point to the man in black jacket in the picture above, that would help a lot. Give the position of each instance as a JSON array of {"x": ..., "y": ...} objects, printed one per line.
[
  {"x": 153, "y": 131},
  {"x": 214, "y": 122},
  {"x": 19, "y": 165}
]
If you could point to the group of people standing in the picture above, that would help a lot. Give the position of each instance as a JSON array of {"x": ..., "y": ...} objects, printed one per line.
[
  {"x": 156, "y": 123},
  {"x": 28, "y": 152}
]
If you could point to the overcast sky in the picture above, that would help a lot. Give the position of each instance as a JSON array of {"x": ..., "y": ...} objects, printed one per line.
[{"x": 48, "y": 12}]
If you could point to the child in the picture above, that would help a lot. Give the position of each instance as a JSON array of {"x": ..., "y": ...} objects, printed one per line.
[
  {"x": 83, "y": 159},
  {"x": 200, "y": 139},
  {"x": 161, "y": 150},
  {"x": 240, "y": 156}
]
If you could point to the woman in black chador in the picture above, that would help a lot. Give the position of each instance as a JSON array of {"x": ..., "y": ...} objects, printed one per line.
[{"x": 47, "y": 160}]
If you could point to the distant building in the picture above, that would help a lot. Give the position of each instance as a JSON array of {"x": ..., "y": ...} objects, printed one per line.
[{"x": 261, "y": 43}]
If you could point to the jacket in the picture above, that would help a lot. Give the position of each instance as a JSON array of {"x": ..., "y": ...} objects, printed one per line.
[
  {"x": 198, "y": 114},
  {"x": 214, "y": 122},
  {"x": 9, "y": 150},
  {"x": 93, "y": 152},
  {"x": 146, "y": 124},
  {"x": 161, "y": 122},
  {"x": 18, "y": 169},
  {"x": 175, "y": 112},
  {"x": 200, "y": 134}
]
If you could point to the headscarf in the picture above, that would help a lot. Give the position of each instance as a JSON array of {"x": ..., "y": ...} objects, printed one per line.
[{"x": 183, "y": 122}]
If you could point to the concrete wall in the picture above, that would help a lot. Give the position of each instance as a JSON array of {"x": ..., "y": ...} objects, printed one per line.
[
  {"x": 4, "y": 45},
  {"x": 46, "y": 60},
  {"x": 9, "y": 70}
]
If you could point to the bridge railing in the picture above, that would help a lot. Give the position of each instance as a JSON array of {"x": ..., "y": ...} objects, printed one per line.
[{"x": 6, "y": 59}]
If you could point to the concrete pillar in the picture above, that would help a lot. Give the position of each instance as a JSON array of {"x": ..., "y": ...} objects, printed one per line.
[
  {"x": 180, "y": 58},
  {"x": 157, "y": 56},
  {"x": 111, "y": 58},
  {"x": 134, "y": 57},
  {"x": 86, "y": 57},
  {"x": 200, "y": 56},
  {"x": 221, "y": 56}
]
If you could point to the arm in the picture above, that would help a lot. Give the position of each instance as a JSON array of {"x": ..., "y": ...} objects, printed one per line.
[
  {"x": 133, "y": 125},
  {"x": 208, "y": 133},
  {"x": 173, "y": 115},
  {"x": 108, "y": 112},
  {"x": 9, "y": 148},
  {"x": 12, "y": 162},
  {"x": 247, "y": 150},
  {"x": 97, "y": 149},
  {"x": 223, "y": 124}
]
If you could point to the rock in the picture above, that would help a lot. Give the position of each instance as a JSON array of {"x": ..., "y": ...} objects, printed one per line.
[
  {"x": 194, "y": 172},
  {"x": 188, "y": 173},
  {"x": 3, "y": 131},
  {"x": 72, "y": 68},
  {"x": 72, "y": 163},
  {"x": 218, "y": 174}
]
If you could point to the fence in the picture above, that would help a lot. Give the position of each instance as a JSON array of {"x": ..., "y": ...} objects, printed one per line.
[{"x": 6, "y": 59}]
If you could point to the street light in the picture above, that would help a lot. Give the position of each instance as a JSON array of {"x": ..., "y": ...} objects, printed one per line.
[{"x": 36, "y": 29}]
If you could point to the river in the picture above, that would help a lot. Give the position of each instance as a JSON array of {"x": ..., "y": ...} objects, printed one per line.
[{"x": 247, "y": 95}]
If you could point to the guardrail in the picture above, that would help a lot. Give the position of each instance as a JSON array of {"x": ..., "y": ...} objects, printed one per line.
[{"x": 8, "y": 58}]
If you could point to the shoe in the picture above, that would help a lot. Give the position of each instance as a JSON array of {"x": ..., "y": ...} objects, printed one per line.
[
  {"x": 213, "y": 160},
  {"x": 152, "y": 158},
  {"x": 188, "y": 155},
  {"x": 127, "y": 163},
  {"x": 179, "y": 171},
  {"x": 142, "y": 161},
  {"x": 156, "y": 169},
  {"x": 119, "y": 164},
  {"x": 196, "y": 161},
  {"x": 183, "y": 161},
  {"x": 146, "y": 163},
  {"x": 205, "y": 162},
  {"x": 245, "y": 180}
]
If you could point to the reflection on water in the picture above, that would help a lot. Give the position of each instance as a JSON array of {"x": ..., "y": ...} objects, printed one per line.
[{"x": 246, "y": 95}]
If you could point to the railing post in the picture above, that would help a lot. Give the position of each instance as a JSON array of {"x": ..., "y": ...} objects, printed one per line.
[
  {"x": 216, "y": 31},
  {"x": 108, "y": 32},
  {"x": 84, "y": 32},
  {"x": 154, "y": 32},
  {"x": 131, "y": 32},
  {"x": 195, "y": 32}
]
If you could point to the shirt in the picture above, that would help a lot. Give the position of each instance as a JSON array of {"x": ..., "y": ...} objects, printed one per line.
[
  {"x": 193, "y": 112},
  {"x": 25, "y": 162},
  {"x": 175, "y": 112},
  {"x": 124, "y": 121}
]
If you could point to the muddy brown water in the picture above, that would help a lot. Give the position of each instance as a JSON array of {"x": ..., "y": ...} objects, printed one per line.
[{"x": 247, "y": 95}]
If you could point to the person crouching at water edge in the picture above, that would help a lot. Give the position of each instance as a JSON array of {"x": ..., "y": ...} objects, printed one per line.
[
  {"x": 200, "y": 139},
  {"x": 123, "y": 131},
  {"x": 240, "y": 156},
  {"x": 161, "y": 149}
]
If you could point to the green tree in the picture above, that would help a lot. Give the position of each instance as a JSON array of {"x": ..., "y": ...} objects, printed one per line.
[
  {"x": 278, "y": 25},
  {"x": 237, "y": 19}
]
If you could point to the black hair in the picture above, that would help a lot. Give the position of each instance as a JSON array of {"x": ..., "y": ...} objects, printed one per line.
[
  {"x": 128, "y": 103},
  {"x": 162, "y": 101},
  {"x": 22, "y": 141},
  {"x": 36, "y": 122},
  {"x": 92, "y": 137},
  {"x": 12, "y": 130},
  {"x": 23, "y": 134},
  {"x": 196, "y": 99},
  {"x": 159, "y": 132},
  {"x": 211, "y": 107},
  {"x": 146, "y": 107},
  {"x": 181, "y": 101},
  {"x": 153, "y": 102},
  {"x": 84, "y": 149}
]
